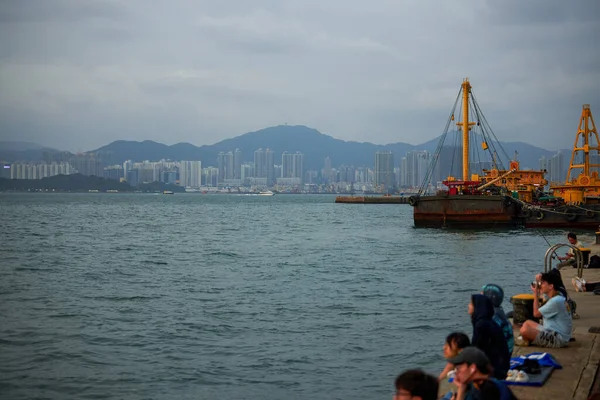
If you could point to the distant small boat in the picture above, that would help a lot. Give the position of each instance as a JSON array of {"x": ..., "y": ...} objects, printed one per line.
[
  {"x": 167, "y": 192},
  {"x": 266, "y": 193}
]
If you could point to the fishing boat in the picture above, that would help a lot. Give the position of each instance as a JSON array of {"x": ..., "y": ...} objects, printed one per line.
[
  {"x": 490, "y": 198},
  {"x": 574, "y": 204}
]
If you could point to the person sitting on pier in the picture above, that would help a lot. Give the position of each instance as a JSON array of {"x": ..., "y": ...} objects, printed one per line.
[
  {"x": 488, "y": 336},
  {"x": 455, "y": 342},
  {"x": 474, "y": 378},
  {"x": 557, "y": 324},
  {"x": 562, "y": 290},
  {"x": 569, "y": 258},
  {"x": 496, "y": 295},
  {"x": 416, "y": 384}
]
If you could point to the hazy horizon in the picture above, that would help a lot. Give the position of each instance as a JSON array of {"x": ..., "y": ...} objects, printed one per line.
[{"x": 234, "y": 137}]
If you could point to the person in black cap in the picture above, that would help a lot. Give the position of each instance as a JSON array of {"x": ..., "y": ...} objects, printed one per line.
[{"x": 473, "y": 377}]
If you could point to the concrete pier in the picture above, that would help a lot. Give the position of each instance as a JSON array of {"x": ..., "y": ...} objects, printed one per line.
[
  {"x": 372, "y": 199},
  {"x": 578, "y": 379},
  {"x": 580, "y": 359}
]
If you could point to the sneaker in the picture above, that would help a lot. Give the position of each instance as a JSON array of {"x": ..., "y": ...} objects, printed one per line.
[
  {"x": 522, "y": 377},
  {"x": 511, "y": 375},
  {"x": 578, "y": 284},
  {"x": 521, "y": 342}
]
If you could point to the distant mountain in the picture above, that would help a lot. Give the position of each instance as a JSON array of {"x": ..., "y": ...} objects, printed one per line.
[
  {"x": 25, "y": 151},
  {"x": 121, "y": 150},
  {"x": 313, "y": 144},
  {"x": 20, "y": 146}
]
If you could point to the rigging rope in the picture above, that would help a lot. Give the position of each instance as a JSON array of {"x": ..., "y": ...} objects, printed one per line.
[
  {"x": 436, "y": 155},
  {"x": 487, "y": 125}
]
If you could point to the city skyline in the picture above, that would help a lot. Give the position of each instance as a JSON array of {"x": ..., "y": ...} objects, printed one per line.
[{"x": 384, "y": 175}]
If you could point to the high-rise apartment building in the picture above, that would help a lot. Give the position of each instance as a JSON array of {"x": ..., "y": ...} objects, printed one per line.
[
  {"x": 292, "y": 169},
  {"x": 298, "y": 166},
  {"x": 229, "y": 165},
  {"x": 210, "y": 177},
  {"x": 39, "y": 171},
  {"x": 88, "y": 164},
  {"x": 287, "y": 165},
  {"x": 237, "y": 164},
  {"x": 414, "y": 168},
  {"x": 557, "y": 171},
  {"x": 264, "y": 165},
  {"x": 221, "y": 165},
  {"x": 259, "y": 164},
  {"x": 270, "y": 166},
  {"x": 384, "y": 170},
  {"x": 190, "y": 174},
  {"x": 247, "y": 171}
]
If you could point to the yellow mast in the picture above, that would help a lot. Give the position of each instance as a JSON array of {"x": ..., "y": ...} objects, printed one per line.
[
  {"x": 584, "y": 130},
  {"x": 466, "y": 126}
]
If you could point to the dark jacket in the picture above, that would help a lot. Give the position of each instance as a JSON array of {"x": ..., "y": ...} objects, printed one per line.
[
  {"x": 496, "y": 295},
  {"x": 488, "y": 336}
]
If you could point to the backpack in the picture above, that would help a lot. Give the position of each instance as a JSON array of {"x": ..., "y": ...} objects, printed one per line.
[
  {"x": 594, "y": 262},
  {"x": 507, "y": 330}
]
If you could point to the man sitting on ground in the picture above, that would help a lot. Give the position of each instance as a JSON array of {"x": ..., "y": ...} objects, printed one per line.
[
  {"x": 557, "y": 324},
  {"x": 473, "y": 377},
  {"x": 415, "y": 384},
  {"x": 569, "y": 258}
]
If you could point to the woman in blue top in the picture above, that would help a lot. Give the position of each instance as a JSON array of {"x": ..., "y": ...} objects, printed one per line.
[{"x": 557, "y": 325}]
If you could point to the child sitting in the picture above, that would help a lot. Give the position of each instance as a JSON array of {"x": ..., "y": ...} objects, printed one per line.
[
  {"x": 496, "y": 295},
  {"x": 455, "y": 342}
]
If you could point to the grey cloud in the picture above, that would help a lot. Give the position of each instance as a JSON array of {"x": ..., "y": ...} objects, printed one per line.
[
  {"x": 541, "y": 12},
  {"x": 62, "y": 11},
  {"x": 79, "y": 74}
]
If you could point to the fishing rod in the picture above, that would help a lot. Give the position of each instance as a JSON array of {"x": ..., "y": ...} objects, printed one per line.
[{"x": 539, "y": 232}]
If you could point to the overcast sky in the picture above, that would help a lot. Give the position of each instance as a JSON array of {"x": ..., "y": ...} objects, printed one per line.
[{"x": 77, "y": 74}]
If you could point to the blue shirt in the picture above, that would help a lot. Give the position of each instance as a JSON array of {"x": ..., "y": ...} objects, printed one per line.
[{"x": 557, "y": 316}]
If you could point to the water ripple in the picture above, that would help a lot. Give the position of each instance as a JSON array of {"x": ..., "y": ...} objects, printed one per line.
[{"x": 204, "y": 297}]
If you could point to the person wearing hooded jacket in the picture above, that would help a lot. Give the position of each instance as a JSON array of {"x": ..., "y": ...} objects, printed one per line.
[
  {"x": 488, "y": 336},
  {"x": 496, "y": 295}
]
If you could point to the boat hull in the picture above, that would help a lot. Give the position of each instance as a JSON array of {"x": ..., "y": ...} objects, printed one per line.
[
  {"x": 586, "y": 217},
  {"x": 465, "y": 212}
]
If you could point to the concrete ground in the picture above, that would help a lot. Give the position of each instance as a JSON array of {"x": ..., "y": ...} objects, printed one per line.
[{"x": 580, "y": 359}]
